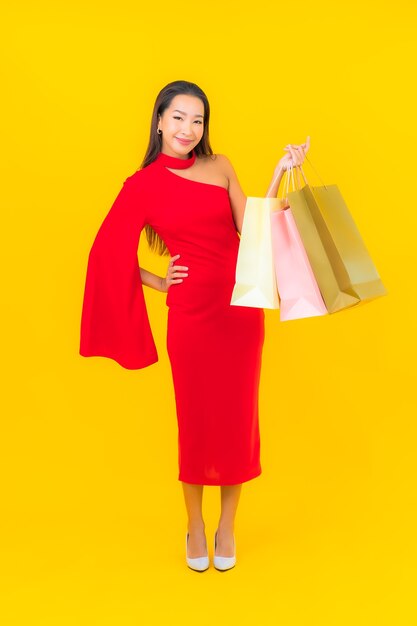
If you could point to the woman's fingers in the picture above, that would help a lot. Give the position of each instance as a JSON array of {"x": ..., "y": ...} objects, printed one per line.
[
  {"x": 178, "y": 268},
  {"x": 294, "y": 155},
  {"x": 306, "y": 145},
  {"x": 298, "y": 155},
  {"x": 175, "y": 274},
  {"x": 302, "y": 154},
  {"x": 298, "y": 151},
  {"x": 177, "y": 256}
]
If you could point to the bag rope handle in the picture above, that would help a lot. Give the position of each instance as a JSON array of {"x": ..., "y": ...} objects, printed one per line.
[{"x": 287, "y": 175}]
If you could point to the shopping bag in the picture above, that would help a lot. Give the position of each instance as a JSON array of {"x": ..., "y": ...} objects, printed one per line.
[
  {"x": 255, "y": 283},
  {"x": 325, "y": 260},
  {"x": 297, "y": 287},
  {"x": 353, "y": 267},
  {"x": 362, "y": 272}
]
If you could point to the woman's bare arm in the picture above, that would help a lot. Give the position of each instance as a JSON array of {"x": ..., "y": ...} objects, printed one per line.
[
  {"x": 175, "y": 275},
  {"x": 236, "y": 194},
  {"x": 151, "y": 280},
  {"x": 237, "y": 197}
]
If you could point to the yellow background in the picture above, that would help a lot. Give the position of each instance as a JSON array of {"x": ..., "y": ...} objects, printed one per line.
[{"x": 93, "y": 520}]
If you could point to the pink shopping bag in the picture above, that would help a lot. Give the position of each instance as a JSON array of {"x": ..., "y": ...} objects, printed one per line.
[{"x": 297, "y": 287}]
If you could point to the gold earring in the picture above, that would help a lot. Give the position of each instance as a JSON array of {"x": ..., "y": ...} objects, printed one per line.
[{"x": 159, "y": 131}]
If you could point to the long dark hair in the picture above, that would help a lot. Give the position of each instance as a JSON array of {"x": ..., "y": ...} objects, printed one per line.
[{"x": 162, "y": 102}]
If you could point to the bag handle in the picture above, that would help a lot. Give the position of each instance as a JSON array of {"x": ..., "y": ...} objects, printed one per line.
[
  {"x": 289, "y": 173},
  {"x": 282, "y": 201},
  {"x": 304, "y": 176}
]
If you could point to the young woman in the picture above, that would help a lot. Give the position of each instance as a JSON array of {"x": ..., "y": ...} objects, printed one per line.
[{"x": 191, "y": 205}]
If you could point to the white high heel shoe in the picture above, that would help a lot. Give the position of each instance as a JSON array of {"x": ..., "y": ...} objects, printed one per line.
[
  {"x": 224, "y": 563},
  {"x": 200, "y": 563}
]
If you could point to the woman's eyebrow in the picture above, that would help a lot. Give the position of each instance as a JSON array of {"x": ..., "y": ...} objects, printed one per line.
[{"x": 183, "y": 113}]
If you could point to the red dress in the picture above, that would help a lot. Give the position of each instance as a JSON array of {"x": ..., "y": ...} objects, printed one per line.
[{"x": 215, "y": 348}]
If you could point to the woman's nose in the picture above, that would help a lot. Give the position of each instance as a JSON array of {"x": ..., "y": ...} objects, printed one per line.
[{"x": 187, "y": 128}]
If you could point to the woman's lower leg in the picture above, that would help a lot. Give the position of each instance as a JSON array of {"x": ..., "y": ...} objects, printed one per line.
[
  {"x": 193, "y": 496},
  {"x": 230, "y": 495}
]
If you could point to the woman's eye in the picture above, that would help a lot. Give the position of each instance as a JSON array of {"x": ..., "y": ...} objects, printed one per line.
[{"x": 177, "y": 117}]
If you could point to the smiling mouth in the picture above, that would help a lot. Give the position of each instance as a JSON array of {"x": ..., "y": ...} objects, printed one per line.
[{"x": 183, "y": 140}]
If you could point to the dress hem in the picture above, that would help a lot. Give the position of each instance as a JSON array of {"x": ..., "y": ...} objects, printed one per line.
[{"x": 251, "y": 476}]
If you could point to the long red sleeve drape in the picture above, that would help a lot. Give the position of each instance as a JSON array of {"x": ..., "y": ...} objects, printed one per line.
[{"x": 114, "y": 320}]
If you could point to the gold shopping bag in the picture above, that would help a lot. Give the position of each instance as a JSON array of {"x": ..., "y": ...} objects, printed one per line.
[
  {"x": 325, "y": 261},
  {"x": 255, "y": 284},
  {"x": 326, "y": 253},
  {"x": 361, "y": 270},
  {"x": 341, "y": 263}
]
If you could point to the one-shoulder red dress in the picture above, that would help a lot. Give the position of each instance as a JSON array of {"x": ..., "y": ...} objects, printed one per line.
[{"x": 215, "y": 348}]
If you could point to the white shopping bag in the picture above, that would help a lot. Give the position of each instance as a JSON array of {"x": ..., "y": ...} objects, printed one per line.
[{"x": 255, "y": 284}]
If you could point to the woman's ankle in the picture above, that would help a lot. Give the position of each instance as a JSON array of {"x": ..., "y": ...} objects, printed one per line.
[
  {"x": 196, "y": 526},
  {"x": 225, "y": 527}
]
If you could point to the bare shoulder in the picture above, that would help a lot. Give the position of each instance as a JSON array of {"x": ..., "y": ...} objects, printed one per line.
[
  {"x": 212, "y": 168},
  {"x": 218, "y": 163}
]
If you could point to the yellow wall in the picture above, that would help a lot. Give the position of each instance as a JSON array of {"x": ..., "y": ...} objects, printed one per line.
[{"x": 93, "y": 520}]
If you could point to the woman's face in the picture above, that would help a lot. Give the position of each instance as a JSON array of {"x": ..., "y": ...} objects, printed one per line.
[{"x": 182, "y": 125}]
